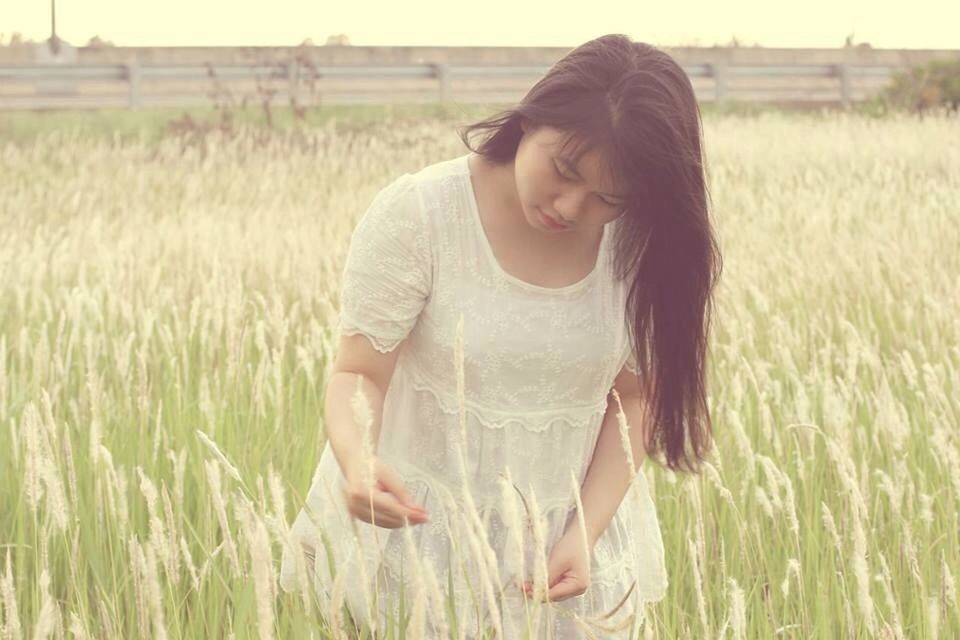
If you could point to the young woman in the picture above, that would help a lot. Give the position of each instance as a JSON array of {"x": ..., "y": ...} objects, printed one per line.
[{"x": 497, "y": 311}]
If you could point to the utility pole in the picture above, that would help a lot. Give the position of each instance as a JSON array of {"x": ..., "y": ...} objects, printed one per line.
[{"x": 54, "y": 40}]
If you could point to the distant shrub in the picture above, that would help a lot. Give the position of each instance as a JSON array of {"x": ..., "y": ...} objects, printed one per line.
[{"x": 933, "y": 86}]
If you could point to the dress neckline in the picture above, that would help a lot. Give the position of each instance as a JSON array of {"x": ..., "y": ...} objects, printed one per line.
[{"x": 492, "y": 258}]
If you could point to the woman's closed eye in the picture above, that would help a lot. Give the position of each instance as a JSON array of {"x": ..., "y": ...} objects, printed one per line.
[{"x": 556, "y": 168}]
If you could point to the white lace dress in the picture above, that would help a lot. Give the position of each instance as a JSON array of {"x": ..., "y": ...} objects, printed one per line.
[{"x": 538, "y": 363}]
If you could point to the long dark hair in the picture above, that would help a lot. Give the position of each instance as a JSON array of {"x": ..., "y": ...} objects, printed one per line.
[{"x": 637, "y": 105}]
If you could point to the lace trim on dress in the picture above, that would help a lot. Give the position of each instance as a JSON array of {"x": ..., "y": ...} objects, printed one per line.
[
  {"x": 383, "y": 346},
  {"x": 579, "y": 417}
]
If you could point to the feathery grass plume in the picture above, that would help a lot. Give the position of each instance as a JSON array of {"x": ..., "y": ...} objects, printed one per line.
[
  {"x": 483, "y": 555},
  {"x": 305, "y": 361},
  {"x": 261, "y": 501},
  {"x": 41, "y": 478},
  {"x": 772, "y": 475},
  {"x": 831, "y": 526},
  {"x": 307, "y": 565},
  {"x": 890, "y": 416},
  {"x": 584, "y": 627},
  {"x": 335, "y": 615},
  {"x": 948, "y": 588},
  {"x": 154, "y": 593},
  {"x": 648, "y": 631},
  {"x": 476, "y": 538},
  {"x": 761, "y": 497},
  {"x": 624, "y": 431},
  {"x": 220, "y": 508},
  {"x": 692, "y": 490},
  {"x": 438, "y": 608},
  {"x": 799, "y": 465},
  {"x": 138, "y": 567},
  {"x": 277, "y": 500},
  {"x": 906, "y": 487},
  {"x": 49, "y": 424},
  {"x": 417, "y": 624},
  {"x": 158, "y": 534},
  {"x": 231, "y": 469},
  {"x": 258, "y": 387},
  {"x": 861, "y": 572},
  {"x": 282, "y": 530},
  {"x": 56, "y": 501},
  {"x": 737, "y": 614},
  {"x": 205, "y": 404},
  {"x": 171, "y": 560},
  {"x": 179, "y": 463},
  {"x": 48, "y": 620},
  {"x": 363, "y": 418},
  {"x": 713, "y": 476},
  {"x": 581, "y": 521},
  {"x": 949, "y": 456},
  {"x": 793, "y": 568},
  {"x": 458, "y": 555},
  {"x": 33, "y": 458},
  {"x": 886, "y": 584},
  {"x": 159, "y": 428},
  {"x": 616, "y": 607},
  {"x": 301, "y": 554},
  {"x": 790, "y": 508},
  {"x": 188, "y": 562},
  {"x": 739, "y": 433},
  {"x": 516, "y": 525},
  {"x": 612, "y": 626},
  {"x": 258, "y": 544},
  {"x": 8, "y": 595},
  {"x": 909, "y": 370},
  {"x": 540, "y": 573},
  {"x": 15, "y": 445},
  {"x": 414, "y": 569},
  {"x": 76, "y": 627},
  {"x": 910, "y": 551},
  {"x": 894, "y": 497},
  {"x": 698, "y": 587},
  {"x": 117, "y": 492},
  {"x": 933, "y": 617},
  {"x": 205, "y": 567},
  {"x": 767, "y": 430},
  {"x": 71, "y": 471}
]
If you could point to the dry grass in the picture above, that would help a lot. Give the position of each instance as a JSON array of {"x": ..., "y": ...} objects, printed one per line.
[{"x": 166, "y": 328}]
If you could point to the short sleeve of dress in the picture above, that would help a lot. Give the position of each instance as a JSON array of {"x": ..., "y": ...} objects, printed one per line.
[{"x": 387, "y": 274}]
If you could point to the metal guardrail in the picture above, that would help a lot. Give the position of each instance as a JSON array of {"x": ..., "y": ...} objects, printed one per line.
[{"x": 294, "y": 72}]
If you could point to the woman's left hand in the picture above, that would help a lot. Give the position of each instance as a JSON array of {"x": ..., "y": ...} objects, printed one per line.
[{"x": 568, "y": 569}]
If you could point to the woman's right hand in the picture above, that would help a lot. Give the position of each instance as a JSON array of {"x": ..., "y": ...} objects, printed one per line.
[{"x": 392, "y": 505}]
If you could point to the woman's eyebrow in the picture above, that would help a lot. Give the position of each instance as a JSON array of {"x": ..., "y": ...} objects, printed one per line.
[{"x": 571, "y": 166}]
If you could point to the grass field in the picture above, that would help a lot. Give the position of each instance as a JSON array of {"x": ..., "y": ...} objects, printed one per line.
[{"x": 167, "y": 309}]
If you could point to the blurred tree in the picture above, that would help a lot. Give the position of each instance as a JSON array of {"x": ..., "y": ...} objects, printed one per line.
[{"x": 338, "y": 40}]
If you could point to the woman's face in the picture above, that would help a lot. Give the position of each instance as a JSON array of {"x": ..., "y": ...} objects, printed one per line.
[{"x": 578, "y": 196}]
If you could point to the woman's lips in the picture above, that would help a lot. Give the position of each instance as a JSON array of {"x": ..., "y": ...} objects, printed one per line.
[{"x": 551, "y": 222}]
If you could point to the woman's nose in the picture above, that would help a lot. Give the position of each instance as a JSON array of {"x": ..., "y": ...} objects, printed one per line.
[{"x": 570, "y": 207}]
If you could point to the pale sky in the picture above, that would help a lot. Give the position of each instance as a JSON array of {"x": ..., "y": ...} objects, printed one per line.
[{"x": 919, "y": 24}]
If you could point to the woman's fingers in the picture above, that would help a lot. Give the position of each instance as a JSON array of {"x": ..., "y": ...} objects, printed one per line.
[
  {"x": 392, "y": 482},
  {"x": 387, "y": 511}
]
